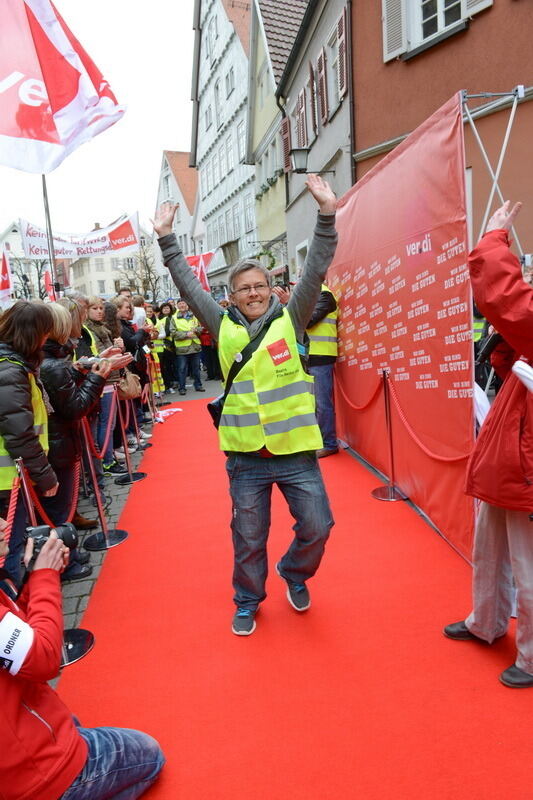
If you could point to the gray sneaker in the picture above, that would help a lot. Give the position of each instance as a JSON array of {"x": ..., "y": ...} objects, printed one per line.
[
  {"x": 297, "y": 593},
  {"x": 243, "y": 622}
]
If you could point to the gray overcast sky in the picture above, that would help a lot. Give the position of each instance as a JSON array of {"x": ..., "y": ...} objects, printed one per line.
[{"x": 145, "y": 52}]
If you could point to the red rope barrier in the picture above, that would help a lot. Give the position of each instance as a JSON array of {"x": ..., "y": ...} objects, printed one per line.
[
  {"x": 73, "y": 503},
  {"x": 13, "y": 497},
  {"x": 95, "y": 450},
  {"x": 365, "y": 405},
  {"x": 413, "y": 435}
]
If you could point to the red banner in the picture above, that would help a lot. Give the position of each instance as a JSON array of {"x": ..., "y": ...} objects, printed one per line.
[
  {"x": 199, "y": 265},
  {"x": 52, "y": 96},
  {"x": 401, "y": 279}
]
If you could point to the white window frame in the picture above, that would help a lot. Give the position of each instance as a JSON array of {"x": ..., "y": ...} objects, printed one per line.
[
  {"x": 230, "y": 153},
  {"x": 241, "y": 141},
  {"x": 399, "y": 19},
  {"x": 230, "y": 81},
  {"x": 415, "y": 35},
  {"x": 249, "y": 215},
  {"x": 218, "y": 103}
]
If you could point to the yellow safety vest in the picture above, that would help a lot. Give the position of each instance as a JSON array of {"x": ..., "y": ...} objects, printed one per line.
[
  {"x": 323, "y": 335},
  {"x": 94, "y": 348},
  {"x": 271, "y": 402},
  {"x": 159, "y": 344},
  {"x": 182, "y": 324},
  {"x": 8, "y": 471},
  {"x": 479, "y": 327}
]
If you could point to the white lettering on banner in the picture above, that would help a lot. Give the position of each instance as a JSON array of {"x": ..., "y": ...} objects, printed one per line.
[
  {"x": 34, "y": 240},
  {"x": 392, "y": 264},
  {"x": 414, "y": 248},
  {"x": 374, "y": 269},
  {"x": 397, "y": 284},
  {"x": 32, "y": 92}
]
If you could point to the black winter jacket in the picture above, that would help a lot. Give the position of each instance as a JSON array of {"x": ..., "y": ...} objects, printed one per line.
[
  {"x": 72, "y": 396},
  {"x": 134, "y": 342},
  {"x": 16, "y": 418}
]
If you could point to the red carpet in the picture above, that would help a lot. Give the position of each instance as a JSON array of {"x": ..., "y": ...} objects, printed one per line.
[{"x": 362, "y": 697}]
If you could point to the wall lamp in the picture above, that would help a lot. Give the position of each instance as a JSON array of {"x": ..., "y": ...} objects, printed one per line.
[{"x": 299, "y": 157}]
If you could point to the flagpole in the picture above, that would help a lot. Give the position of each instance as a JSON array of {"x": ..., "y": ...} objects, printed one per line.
[{"x": 49, "y": 235}]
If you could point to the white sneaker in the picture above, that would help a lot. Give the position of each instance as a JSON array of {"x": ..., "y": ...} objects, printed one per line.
[
  {"x": 132, "y": 443},
  {"x": 120, "y": 455},
  {"x": 144, "y": 435}
]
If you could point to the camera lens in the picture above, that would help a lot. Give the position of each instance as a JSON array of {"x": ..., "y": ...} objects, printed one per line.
[{"x": 68, "y": 535}]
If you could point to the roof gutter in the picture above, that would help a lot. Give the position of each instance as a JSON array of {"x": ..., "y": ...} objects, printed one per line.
[{"x": 195, "y": 78}]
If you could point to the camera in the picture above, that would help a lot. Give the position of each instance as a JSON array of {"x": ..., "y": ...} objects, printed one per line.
[
  {"x": 87, "y": 362},
  {"x": 40, "y": 534}
]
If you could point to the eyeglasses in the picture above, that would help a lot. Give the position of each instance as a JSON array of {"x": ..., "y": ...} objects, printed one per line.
[{"x": 257, "y": 287}]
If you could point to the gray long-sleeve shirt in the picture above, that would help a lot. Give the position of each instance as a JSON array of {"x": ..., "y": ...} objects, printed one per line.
[{"x": 302, "y": 300}]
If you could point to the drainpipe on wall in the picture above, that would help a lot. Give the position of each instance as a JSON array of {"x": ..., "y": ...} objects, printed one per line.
[{"x": 351, "y": 98}]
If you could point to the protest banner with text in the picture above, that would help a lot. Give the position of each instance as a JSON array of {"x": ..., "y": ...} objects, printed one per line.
[{"x": 401, "y": 279}]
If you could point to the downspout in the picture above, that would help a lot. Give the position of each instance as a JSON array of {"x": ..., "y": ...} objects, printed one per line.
[{"x": 351, "y": 98}]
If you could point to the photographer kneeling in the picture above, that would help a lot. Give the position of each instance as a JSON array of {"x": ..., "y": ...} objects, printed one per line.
[{"x": 45, "y": 754}]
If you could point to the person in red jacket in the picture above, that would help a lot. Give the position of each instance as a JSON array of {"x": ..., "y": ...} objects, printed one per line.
[
  {"x": 45, "y": 754},
  {"x": 500, "y": 470}
]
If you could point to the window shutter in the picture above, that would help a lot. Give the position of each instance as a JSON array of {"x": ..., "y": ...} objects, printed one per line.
[
  {"x": 301, "y": 119},
  {"x": 304, "y": 118},
  {"x": 286, "y": 144},
  {"x": 473, "y": 6},
  {"x": 322, "y": 86},
  {"x": 394, "y": 28},
  {"x": 343, "y": 60},
  {"x": 312, "y": 100}
]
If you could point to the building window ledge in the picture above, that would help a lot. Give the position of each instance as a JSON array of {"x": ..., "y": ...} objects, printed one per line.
[{"x": 440, "y": 37}]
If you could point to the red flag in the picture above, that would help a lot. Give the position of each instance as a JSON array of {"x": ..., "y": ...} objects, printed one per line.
[
  {"x": 199, "y": 266},
  {"x": 52, "y": 96},
  {"x": 49, "y": 286},
  {"x": 5, "y": 277}
]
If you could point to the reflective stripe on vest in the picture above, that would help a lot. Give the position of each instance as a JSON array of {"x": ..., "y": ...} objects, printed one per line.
[
  {"x": 323, "y": 335},
  {"x": 8, "y": 471},
  {"x": 182, "y": 324},
  {"x": 158, "y": 344},
  {"x": 94, "y": 348},
  {"x": 271, "y": 402},
  {"x": 479, "y": 327}
]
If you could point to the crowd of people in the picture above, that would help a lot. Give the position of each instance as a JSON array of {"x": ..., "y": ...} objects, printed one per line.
[
  {"x": 61, "y": 368},
  {"x": 83, "y": 364}
]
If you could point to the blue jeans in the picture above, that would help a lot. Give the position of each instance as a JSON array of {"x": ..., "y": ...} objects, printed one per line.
[
  {"x": 13, "y": 562},
  {"x": 183, "y": 364},
  {"x": 103, "y": 419},
  {"x": 325, "y": 408},
  {"x": 58, "y": 506},
  {"x": 299, "y": 479},
  {"x": 121, "y": 764}
]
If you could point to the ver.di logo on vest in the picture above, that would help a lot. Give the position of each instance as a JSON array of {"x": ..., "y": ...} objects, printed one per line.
[{"x": 279, "y": 351}]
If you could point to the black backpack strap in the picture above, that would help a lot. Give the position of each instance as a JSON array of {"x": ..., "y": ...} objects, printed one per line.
[{"x": 245, "y": 356}]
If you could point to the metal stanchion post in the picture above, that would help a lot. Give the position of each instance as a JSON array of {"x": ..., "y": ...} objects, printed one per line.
[
  {"x": 107, "y": 537},
  {"x": 390, "y": 492},
  {"x": 77, "y": 642},
  {"x": 131, "y": 477},
  {"x": 141, "y": 444}
]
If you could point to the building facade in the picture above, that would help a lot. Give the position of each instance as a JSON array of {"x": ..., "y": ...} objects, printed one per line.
[
  {"x": 317, "y": 115},
  {"x": 273, "y": 31},
  {"x": 178, "y": 183},
  {"x": 226, "y": 192},
  {"x": 410, "y": 56}
]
